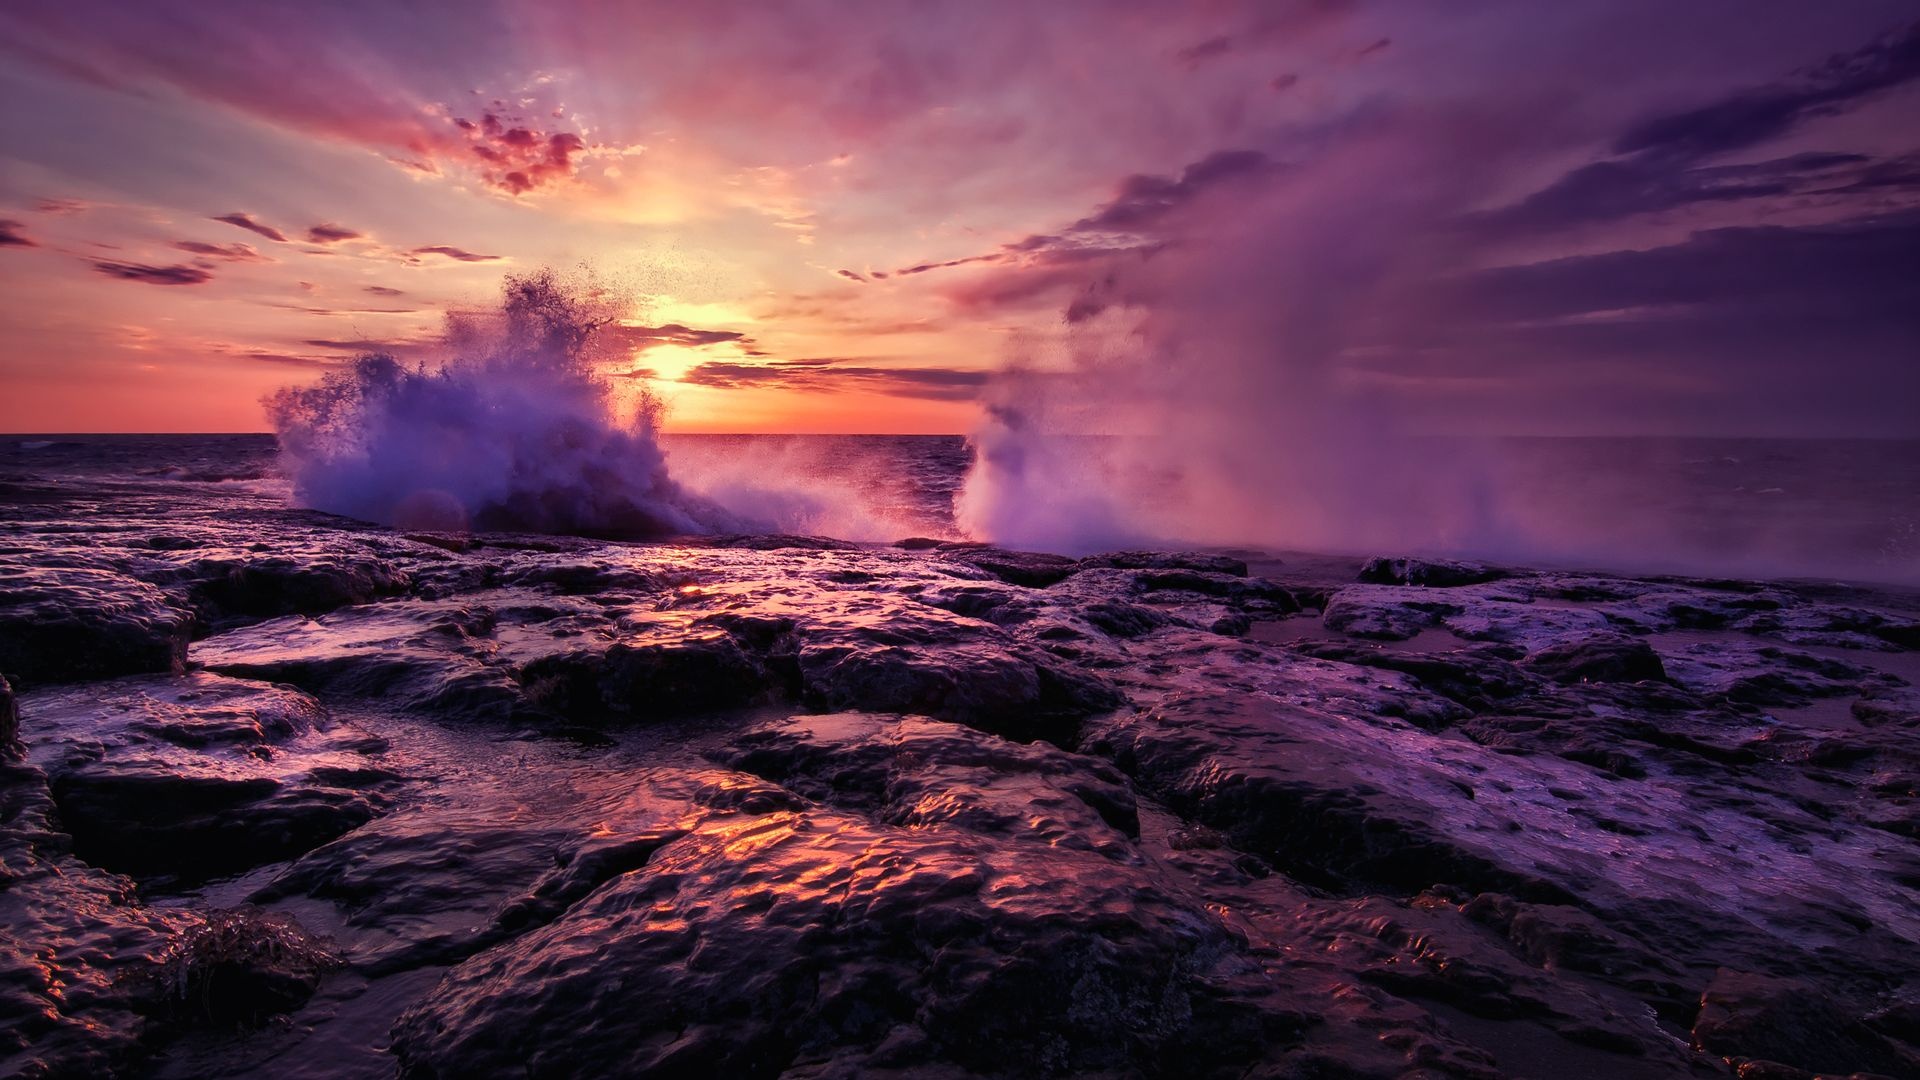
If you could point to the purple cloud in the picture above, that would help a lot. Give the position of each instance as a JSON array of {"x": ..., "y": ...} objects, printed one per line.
[
  {"x": 1143, "y": 199},
  {"x": 830, "y": 375},
  {"x": 153, "y": 275},
  {"x": 332, "y": 234},
  {"x": 12, "y": 234},
  {"x": 228, "y": 252},
  {"x": 246, "y": 221},
  {"x": 645, "y": 337},
  {"x": 454, "y": 253},
  {"x": 1754, "y": 116}
]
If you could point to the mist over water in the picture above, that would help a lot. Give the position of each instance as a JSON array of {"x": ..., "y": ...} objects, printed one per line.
[
  {"x": 1175, "y": 412},
  {"x": 1214, "y": 353},
  {"x": 519, "y": 427},
  {"x": 1221, "y": 379},
  {"x": 517, "y": 430}
]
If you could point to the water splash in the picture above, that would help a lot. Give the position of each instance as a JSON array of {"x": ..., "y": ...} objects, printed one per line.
[{"x": 518, "y": 430}]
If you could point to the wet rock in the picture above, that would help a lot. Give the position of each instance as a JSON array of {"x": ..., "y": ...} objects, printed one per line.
[
  {"x": 77, "y": 942},
  {"x": 1384, "y": 613},
  {"x": 1032, "y": 569},
  {"x": 820, "y": 941},
  {"x": 1116, "y": 618},
  {"x": 437, "y": 657},
  {"x": 588, "y": 578},
  {"x": 1424, "y": 854},
  {"x": 1605, "y": 658},
  {"x": 222, "y": 589},
  {"x": 1479, "y": 678},
  {"x": 195, "y": 776},
  {"x": 916, "y": 773},
  {"x": 1318, "y": 781},
  {"x": 1563, "y": 938},
  {"x": 1431, "y": 573},
  {"x": 9, "y": 723},
  {"x": 695, "y": 672},
  {"x": 1501, "y": 614},
  {"x": 236, "y": 966},
  {"x": 420, "y": 886},
  {"x": 65, "y": 624},
  {"x": 1252, "y": 594},
  {"x": 1758, "y": 1018},
  {"x": 1003, "y": 689},
  {"x": 1168, "y": 560},
  {"x": 1287, "y": 785},
  {"x": 996, "y": 604},
  {"x": 1760, "y": 674},
  {"x": 876, "y": 655},
  {"x": 784, "y": 542}
]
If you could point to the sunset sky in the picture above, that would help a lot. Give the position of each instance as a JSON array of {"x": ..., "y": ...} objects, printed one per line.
[{"x": 1598, "y": 215}]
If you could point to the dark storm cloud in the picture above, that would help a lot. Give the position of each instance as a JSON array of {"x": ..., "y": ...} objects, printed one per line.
[
  {"x": 1899, "y": 174},
  {"x": 454, "y": 253},
  {"x": 228, "y": 252},
  {"x": 922, "y": 268},
  {"x": 1754, "y": 116},
  {"x": 828, "y": 375},
  {"x": 13, "y": 234},
  {"x": 1794, "y": 324},
  {"x": 1144, "y": 209},
  {"x": 1611, "y": 190},
  {"x": 1662, "y": 163},
  {"x": 332, "y": 234},
  {"x": 153, "y": 275},
  {"x": 246, "y": 221},
  {"x": 1144, "y": 200},
  {"x": 646, "y": 337},
  {"x": 1860, "y": 269},
  {"x": 295, "y": 360}
]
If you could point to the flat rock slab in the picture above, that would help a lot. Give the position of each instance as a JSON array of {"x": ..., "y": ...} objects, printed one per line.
[
  {"x": 200, "y": 775},
  {"x": 63, "y": 624}
]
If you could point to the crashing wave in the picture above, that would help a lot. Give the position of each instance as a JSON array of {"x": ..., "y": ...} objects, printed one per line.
[{"x": 519, "y": 431}]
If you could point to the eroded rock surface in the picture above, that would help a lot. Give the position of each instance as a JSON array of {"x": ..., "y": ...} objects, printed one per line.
[
  {"x": 198, "y": 775},
  {"x": 783, "y": 806},
  {"x": 65, "y": 623}
]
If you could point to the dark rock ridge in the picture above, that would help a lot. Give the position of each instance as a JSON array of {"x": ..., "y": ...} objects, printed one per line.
[
  {"x": 198, "y": 775},
  {"x": 495, "y": 805},
  {"x": 67, "y": 623},
  {"x": 9, "y": 723},
  {"x": 1437, "y": 573},
  {"x": 852, "y": 946}
]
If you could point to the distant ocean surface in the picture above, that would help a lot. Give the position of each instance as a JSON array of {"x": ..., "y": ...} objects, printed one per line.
[{"x": 1739, "y": 507}]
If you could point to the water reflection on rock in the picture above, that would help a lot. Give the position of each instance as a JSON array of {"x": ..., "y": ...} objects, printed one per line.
[{"x": 766, "y": 806}]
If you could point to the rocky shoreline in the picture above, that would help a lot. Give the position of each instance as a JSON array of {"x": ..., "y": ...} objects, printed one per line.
[{"x": 291, "y": 795}]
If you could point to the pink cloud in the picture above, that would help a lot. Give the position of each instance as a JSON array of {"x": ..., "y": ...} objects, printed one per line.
[
  {"x": 229, "y": 252},
  {"x": 332, "y": 234},
  {"x": 153, "y": 275},
  {"x": 246, "y": 221},
  {"x": 454, "y": 253}
]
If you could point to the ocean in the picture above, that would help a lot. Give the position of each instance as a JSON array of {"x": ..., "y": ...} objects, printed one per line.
[{"x": 1843, "y": 509}]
